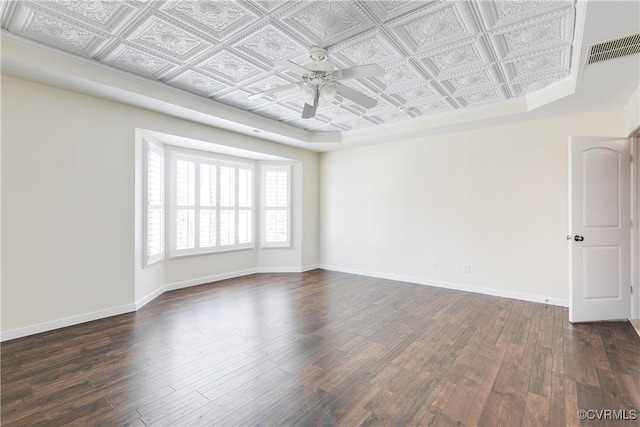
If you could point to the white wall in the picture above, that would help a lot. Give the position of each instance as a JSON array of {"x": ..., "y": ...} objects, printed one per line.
[
  {"x": 70, "y": 242},
  {"x": 632, "y": 113},
  {"x": 493, "y": 198}
]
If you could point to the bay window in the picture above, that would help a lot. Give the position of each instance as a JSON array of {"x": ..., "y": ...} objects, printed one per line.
[{"x": 211, "y": 204}]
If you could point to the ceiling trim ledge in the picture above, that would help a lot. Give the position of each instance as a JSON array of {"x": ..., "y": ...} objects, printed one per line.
[
  {"x": 32, "y": 61},
  {"x": 567, "y": 86}
]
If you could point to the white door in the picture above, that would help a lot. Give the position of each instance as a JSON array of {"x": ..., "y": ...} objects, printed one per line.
[{"x": 600, "y": 227}]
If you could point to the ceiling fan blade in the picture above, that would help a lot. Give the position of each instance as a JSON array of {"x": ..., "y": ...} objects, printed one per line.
[
  {"x": 274, "y": 90},
  {"x": 309, "y": 111},
  {"x": 357, "y": 97},
  {"x": 292, "y": 66},
  {"x": 369, "y": 70}
]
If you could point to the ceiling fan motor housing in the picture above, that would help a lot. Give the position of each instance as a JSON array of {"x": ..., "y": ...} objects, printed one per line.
[
  {"x": 318, "y": 54},
  {"x": 320, "y": 82}
]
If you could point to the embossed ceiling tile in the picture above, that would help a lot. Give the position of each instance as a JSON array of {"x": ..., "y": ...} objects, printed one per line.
[
  {"x": 473, "y": 90},
  {"x": 267, "y": 82},
  {"x": 160, "y": 35},
  {"x": 504, "y": 12},
  {"x": 196, "y": 82},
  {"x": 383, "y": 103},
  {"x": 276, "y": 111},
  {"x": 295, "y": 102},
  {"x": 419, "y": 90},
  {"x": 484, "y": 96},
  {"x": 219, "y": 19},
  {"x": 239, "y": 99},
  {"x": 535, "y": 85},
  {"x": 139, "y": 61},
  {"x": 469, "y": 80},
  {"x": 107, "y": 15},
  {"x": 270, "y": 44},
  {"x": 432, "y": 27},
  {"x": 326, "y": 22},
  {"x": 432, "y": 107},
  {"x": 460, "y": 53},
  {"x": 338, "y": 114},
  {"x": 389, "y": 9},
  {"x": 291, "y": 97},
  {"x": 229, "y": 66},
  {"x": 53, "y": 29},
  {"x": 397, "y": 75},
  {"x": 267, "y": 5},
  {"x": 413, "y": 93},
  {"x": 540, "y": 62},
  {"x": 456, "y": 58},
  {"x": 359, "y": 123},
  {"x": 532, "y": 83},
  {"x": 384, "y": 115},
  {"x": 543, "y": 33},
  {"x": 372, "y": 47}
]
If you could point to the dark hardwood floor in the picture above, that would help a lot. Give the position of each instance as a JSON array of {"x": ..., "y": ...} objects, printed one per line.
[{"x": 324, "y": 348}]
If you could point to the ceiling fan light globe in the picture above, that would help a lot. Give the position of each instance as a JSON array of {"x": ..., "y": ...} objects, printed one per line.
[
  {"x": 328, "y": 92},
  {"x": 308, "y": 92}
]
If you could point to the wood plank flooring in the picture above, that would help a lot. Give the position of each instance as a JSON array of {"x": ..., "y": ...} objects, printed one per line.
[{"x": 324, "y": 348}]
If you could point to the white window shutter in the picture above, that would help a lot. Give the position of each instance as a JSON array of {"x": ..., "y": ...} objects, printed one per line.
[
  {"x": 211, "y": 204},
  {"x": 154, "y": 190},
  {"x": 277, "y": 206}
]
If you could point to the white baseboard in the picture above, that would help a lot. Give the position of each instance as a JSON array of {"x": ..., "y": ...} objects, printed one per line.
[
  {"x": 149, "y": 297},
  {"x": 208, "y": 279},
  {"x": 287, "y": 269},
  {"x": 309, "y": 267},
  {"x": 188, "y": 283},
  {"x": 449, "y": 285},
  {"x": 63, "y": 323},
  {"x": 70, "y": 321}
]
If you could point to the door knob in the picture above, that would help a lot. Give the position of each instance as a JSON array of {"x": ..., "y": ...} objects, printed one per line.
[{"x": 578, "y": 238}]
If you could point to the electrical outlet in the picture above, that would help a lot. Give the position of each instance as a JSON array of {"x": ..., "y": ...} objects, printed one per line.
[
  {"x": 158, "y": 271},
  {"x": 466, "y": 268},
  {"x": 434, "y": 264}
]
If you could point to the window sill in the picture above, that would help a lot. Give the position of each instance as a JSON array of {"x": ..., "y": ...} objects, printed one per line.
[
  {"x": 284, "y": 246},
  {"x": 222, "y": 251}
]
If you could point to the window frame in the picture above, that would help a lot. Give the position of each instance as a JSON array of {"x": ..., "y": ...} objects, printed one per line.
[
  {"x": 147, "y": 258},
  {"x": 218, "y": 161},
  {"x": 266, "y": 167}
]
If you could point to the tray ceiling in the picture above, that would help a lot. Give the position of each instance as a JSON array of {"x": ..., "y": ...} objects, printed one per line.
[{"x": 439, "y": 56}]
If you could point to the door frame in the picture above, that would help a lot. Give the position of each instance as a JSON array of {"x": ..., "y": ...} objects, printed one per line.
[
  {"x": 635, "y": 215},
  {"x": 634, "y": 199}
]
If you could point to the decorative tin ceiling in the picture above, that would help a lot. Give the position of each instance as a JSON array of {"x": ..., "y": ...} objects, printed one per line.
[{"x": 439, "y": 56}]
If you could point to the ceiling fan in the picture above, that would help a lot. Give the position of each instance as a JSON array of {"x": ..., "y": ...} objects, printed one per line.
[{"x": 320, "y": 82}]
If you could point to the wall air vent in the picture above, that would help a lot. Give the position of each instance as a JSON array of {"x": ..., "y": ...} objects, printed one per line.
[{"x": 614, "y": 48}]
